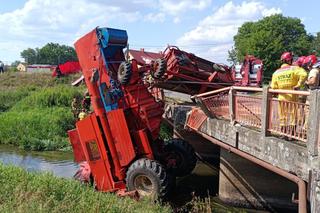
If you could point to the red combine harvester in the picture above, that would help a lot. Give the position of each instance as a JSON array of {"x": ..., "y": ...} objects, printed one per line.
[
  {"x": 67, "y": 68},
  {"x": 187, "y": 73},
  {"x": 249, "y": 73},
  {"x": 118, "y": 145}
]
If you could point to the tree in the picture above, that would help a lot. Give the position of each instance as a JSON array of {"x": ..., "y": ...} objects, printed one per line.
[
  {"x": 29, "y": 55},
  {"x": 51, "y": 53},
  {"x": 232, "y": 56},
  {"x": 15, "y": 63},
  {"x": 315, "y": 46},
  {"x": 269, "y": 37}
]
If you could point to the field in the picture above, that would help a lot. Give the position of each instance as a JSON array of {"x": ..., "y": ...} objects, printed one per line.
[{"x": 35, "y": 110}]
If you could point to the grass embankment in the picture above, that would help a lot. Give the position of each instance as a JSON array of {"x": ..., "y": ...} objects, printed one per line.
[
  {"x": 22, "y": 191},
  {"x": 35, "y": 110}
]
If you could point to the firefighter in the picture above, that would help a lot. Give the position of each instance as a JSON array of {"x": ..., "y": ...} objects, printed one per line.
[
  {"x": 86, "y": 101},
  {"x": 287, "y": 77},
  {"x": 286, "y": 59},
  {"x": 312, "y": 82},
  {"x": 299, "y": 61},
  {"x": 82, "y": 114},
  {"x": 311, "y": 65},
  {"x": 75, "y": 107}
]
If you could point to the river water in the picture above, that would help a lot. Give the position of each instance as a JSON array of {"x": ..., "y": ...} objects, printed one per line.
[{"x": 59, "y": 163}]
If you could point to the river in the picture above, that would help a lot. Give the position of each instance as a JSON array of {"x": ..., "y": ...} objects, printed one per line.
[{"x": 59, "y": 163}]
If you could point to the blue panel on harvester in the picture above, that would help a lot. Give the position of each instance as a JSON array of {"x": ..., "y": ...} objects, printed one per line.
[{"x": 114, "y": 37}]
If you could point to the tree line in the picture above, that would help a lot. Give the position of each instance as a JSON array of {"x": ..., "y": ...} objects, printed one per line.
[
  {"x": 51, "y": 53},
  {"x": 269, "y": 37}
]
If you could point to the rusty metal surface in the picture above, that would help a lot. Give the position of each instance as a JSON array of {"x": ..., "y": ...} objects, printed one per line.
[
  {"x": 196, "y": 118},
  {"x": 248, "y": 110},
  {"x": 218, "y": 105}
]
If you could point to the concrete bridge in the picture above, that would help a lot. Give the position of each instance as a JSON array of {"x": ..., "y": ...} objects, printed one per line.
[{"x": 269, "y": 155}]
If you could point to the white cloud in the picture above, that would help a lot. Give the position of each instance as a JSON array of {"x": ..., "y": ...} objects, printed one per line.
[
  {"x": 42, "y": 21},
  {"x": 271, "y": 11},
  {"x": 155, "y": 17},
  {"x": 217, "y": 30},
  {"x": 176, "y": 7}
]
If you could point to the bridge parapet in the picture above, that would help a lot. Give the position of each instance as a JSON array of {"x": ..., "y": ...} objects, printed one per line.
[
  {"x": 284, "y": 134},
  {"x": 254, "y": 120}
]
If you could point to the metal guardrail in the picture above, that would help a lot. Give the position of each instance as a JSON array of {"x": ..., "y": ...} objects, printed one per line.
[
  {"x": 218, "y": 104},
  {"x": 288, "y": 119},
  {"x": 257, "y": 107},
  {"x": 248, "y": 110}
]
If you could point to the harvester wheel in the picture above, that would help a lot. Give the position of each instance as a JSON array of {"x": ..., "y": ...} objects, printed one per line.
[
  {"x": 159, "y": 68},
  {"x": 149, "y": 178},
  {"x": 180, "y": 157},
  {"x": 124, "y": 73}
]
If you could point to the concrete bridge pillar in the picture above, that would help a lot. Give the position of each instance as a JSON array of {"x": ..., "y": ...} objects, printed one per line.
[{"x": 243, "y": 183}]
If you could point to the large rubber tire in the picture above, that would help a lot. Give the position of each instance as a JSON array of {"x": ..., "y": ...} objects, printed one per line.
[
  {"x": 149, "y": 178},
  {"x": 159, "y": 68},
  {"x": 124, "y": 73},
  {"x": 182, "y": 153}
]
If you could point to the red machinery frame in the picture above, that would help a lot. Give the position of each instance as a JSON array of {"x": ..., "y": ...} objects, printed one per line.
[
  {"x": 188, "y": 73},
  {"x": 110, "y": 140}
]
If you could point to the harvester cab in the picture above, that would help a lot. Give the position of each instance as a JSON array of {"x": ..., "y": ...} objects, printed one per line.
[{"x": 118, "y": 145}]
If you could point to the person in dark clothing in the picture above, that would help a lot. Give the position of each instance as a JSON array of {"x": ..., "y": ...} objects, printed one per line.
[
  {"x": 58, "y": 71},
  {"x": 1, "y": 67},
  {"x": 86, "y": 101}
]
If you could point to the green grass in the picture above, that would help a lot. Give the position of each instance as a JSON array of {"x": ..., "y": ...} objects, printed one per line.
[
  {"x": 35, "y": 110},
  {"x": 8, "y": 98},
  {"x": 36, "y": 129},
  {"x": 57, "y": 96},
  {"x": 22, "y": 191},
  {"x": 166, "y": 132}
]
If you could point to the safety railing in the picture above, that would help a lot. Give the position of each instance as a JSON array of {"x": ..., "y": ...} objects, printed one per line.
[
  {"x": 248, "y": 109},
  {"x": 218, "y": 104},
  {"x": 260, "y": 108},
  {"x": 289, "y": 118}
]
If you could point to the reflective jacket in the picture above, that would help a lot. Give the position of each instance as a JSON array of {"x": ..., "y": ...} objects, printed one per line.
[{"x": 287, "y": 77}]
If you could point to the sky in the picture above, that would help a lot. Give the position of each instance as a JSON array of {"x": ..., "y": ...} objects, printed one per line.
[{"x": 204, "y": 27}]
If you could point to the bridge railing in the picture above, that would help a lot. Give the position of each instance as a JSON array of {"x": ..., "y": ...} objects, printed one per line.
[{"x": 261, "y": 109}]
